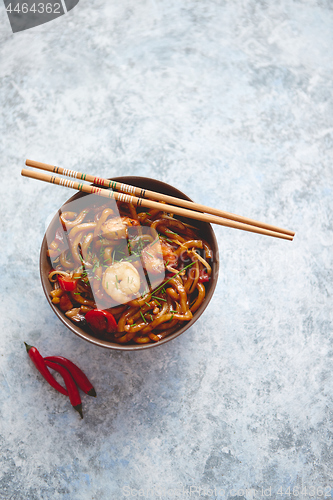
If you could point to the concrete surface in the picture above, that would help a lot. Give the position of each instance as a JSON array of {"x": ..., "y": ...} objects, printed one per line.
[{"x": 232, "y": 103}]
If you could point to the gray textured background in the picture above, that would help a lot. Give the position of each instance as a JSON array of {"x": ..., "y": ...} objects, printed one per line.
[{"x": 232, "y": 103}]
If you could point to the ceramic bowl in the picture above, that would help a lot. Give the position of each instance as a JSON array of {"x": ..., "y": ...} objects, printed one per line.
[{"x": 206, "y": 232}]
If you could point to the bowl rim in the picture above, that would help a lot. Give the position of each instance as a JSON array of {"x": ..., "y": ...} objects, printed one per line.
[{"x": 128, "y": 347}]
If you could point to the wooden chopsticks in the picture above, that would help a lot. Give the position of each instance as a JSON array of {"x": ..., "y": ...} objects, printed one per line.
[{"x": 191, "y": 210}]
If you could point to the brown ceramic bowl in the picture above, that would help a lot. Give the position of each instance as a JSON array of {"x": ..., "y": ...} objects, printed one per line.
[{"x": 206, "y": 232}]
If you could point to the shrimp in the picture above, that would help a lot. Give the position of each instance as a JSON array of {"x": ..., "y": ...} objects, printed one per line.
[
  {"x": 168, "y": 254},
  {"x": 121, "y": 282},
  {"x": 157, "y": 256},
  {"x": 116, "y": 228},
  {"x": 153, "y": 258}
]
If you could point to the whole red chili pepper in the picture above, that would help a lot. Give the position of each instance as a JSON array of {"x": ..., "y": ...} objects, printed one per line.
[
  {"x": 73, "y": 392},
  {"x": 80, "y": 378},
  {"x": 40, "y": 364}
]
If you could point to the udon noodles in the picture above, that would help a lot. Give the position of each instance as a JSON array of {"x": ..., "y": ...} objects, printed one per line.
[{"x": 149, "y": 270}]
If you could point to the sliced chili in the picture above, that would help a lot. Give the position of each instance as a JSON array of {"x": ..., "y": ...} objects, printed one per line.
[
  {"x": 203, "y": 277},
  {"x": 170, "y": 274},
  {"x": 67, "y": 284},
  {"x": 101, "y": 321},
  {"x": 73, "y": 391},
  {"x": 80, "y": 378},
  {"x": 40, "y": 364}
]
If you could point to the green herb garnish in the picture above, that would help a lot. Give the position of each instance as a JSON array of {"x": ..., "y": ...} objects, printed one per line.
[
  {"x": 159, "y": 298},
  {"x": 163, "y": 289},
  {"x": 142, "y": 316}
]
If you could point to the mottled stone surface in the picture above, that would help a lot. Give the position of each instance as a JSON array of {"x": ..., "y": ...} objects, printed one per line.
[{"x": 232, "y": 103}]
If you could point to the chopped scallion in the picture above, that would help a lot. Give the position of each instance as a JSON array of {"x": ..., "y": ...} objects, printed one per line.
[
  {"x": 159, "y": 298},
  {"x": 144, "y": 319}
]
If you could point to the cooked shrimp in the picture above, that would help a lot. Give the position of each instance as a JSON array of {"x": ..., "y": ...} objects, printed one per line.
[
  {"x": 153, "y": 258},
  {"x": 121, "y": 281},
  {"x": 168, "y": 254},
  {"x": 116, "y": 228}
]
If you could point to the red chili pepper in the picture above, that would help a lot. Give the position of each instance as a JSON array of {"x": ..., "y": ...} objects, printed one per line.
[
  {"x": 203, "y": 277},
  {"x": 40, "y": 364},
  {"x": 101, "y": 321},
  {"x": 169, "y": 274},
  {"x": 80, "y": 378},
  {"x": 67, "y": 284},
  {"x": 73, "y": 391}
]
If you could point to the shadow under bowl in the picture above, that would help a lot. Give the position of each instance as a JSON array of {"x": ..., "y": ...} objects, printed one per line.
[{"x": 206, "y": 232}]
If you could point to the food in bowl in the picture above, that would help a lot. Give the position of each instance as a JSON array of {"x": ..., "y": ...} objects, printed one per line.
[{"x": 126, "y": 275}]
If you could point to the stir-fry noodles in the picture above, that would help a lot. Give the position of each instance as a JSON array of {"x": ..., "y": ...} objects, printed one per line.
[{"x": 125, "y": 275}]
